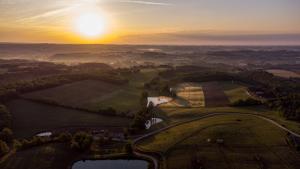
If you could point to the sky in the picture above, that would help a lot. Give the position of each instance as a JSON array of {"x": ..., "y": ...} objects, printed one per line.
[{"x": 184, "y": 22}]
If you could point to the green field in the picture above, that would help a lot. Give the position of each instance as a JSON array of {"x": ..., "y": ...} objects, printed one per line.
[
  {"x": 234, "y": 91},
  {"x": 128, "y": 98},
  {"x": 94, "y": 95},
  {"x": 84, "y": 94},
  {"x": 244, "y": 138},
  {"x": 30, "y": 118}
]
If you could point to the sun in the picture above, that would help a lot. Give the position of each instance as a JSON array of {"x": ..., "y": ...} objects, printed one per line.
[{"x": 90, "y": 25}]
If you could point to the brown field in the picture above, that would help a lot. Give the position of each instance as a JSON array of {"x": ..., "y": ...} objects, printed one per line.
[
  {"x": 214, "y": 95},
  {"x": 284, "y": 73},
  {"x": 207, "y": 94},
  {"x": 192, "y": 93},
  {"x": 188, "y": 95}
]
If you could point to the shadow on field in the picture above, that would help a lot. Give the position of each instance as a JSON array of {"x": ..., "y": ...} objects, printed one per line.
[{"x": 214, "y": 95}]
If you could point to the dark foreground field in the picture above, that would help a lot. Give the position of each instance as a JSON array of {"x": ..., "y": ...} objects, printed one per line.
[{"x": 30, "y": 118}]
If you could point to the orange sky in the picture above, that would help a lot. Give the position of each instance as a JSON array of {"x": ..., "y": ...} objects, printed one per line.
[{"x": 153, "y": 21}]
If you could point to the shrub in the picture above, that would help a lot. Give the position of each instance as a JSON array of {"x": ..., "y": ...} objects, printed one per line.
[
  {"x": 81, "y": 141},
  {"x": 247, "y": 102},
  {"x": 35, "y": 141},
  {"x": 17, "y": 144},
  {"x": 64, "y": 137}
]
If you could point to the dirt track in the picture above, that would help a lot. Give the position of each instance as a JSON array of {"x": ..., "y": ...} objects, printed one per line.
[{"x": 214, "y": 95}]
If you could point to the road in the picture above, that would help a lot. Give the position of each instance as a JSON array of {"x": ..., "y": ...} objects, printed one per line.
[
  {"x": 143, "y": 154},
  {"x": 149, "y": 157}
]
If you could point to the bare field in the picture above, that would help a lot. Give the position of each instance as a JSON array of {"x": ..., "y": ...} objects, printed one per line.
[{"x": 188, "y": 95}]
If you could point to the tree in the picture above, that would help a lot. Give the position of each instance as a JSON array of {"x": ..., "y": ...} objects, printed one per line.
[
  {"x": 246, "y": 102},
  {"x": 165, "y": 90},
  {"x": 81, "y": 141},
  {"x": 3, "y": 147},
  {"x": 128, "y": 148},
  {"x": 141, "y": 117},
  {"x": 144, "y": 98},
  {"x": 139, "y": 121},
  {"x": 126, "y": 133},
  {"x": 6, "y": 135}
]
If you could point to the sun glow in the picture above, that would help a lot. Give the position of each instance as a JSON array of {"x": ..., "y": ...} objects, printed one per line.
[{"x": 90, "y": 25}]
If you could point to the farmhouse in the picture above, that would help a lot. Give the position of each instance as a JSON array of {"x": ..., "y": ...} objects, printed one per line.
[
  {"x": 152, "y": 122},
  {"x": 158, "y": 100}
]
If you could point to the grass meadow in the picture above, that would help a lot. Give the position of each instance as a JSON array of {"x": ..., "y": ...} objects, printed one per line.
[{"x": 245, "y": 138}]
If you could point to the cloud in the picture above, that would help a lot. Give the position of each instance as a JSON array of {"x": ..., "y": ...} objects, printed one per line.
[
  {"x": 146, "y": 2},
  {"x": 49, "y": 13}
]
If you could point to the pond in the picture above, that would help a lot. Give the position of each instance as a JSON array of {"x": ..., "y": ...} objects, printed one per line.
[{"x": 111, "y": 164}]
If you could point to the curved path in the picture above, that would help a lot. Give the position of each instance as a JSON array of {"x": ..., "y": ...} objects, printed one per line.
[
  {"x": 141, "y": 153},
  {"x": 149, "y": 157}
]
